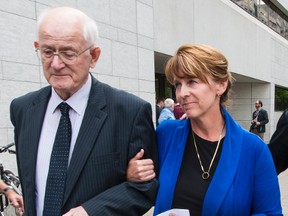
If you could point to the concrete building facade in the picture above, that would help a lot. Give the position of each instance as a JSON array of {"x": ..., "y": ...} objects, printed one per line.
[
  {"x": 257, "y": 55},
  {"x": 136, "y": 37},
  {"x": 136, "y": 34}
]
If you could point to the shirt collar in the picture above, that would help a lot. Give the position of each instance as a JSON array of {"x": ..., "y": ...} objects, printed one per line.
[{"x": 77, "y": 101}]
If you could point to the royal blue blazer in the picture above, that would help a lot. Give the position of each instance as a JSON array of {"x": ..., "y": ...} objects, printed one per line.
[{"x": 244, "y": 183}]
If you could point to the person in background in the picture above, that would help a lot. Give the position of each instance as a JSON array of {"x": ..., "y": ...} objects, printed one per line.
[
  {"x": 15, "y": 199},
  {"x": 178, "y": 112},
  {"x": 167, "y": 112},
  {"x": 159, "y": 107},
  {"x": 278, "y": 144},
  {"x": 259, "y": 120},
  {"x": 106, "y": 128},
  {"x": 208, "y": 163}
]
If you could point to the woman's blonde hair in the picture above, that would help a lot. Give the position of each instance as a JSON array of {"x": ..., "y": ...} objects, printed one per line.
[{"x": 199, "y": 61}]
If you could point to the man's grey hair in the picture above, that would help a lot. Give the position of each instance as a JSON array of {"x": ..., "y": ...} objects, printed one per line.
[
  {"x": 168, "y": 102},
  {"x": 90, "y": 29}
]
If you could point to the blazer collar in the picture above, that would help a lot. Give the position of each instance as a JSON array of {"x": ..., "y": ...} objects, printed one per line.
[{"x": 226, "y": 169}]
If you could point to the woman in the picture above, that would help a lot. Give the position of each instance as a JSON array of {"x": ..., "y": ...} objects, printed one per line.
[
  {"x": 15, "y": 200},
  {"x": 208, "y": 163}
]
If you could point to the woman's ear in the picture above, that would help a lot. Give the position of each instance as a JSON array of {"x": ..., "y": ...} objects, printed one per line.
[{"x": 221, "y": 87}]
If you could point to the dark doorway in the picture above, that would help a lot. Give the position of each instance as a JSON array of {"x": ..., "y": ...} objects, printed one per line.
[{"x": 163, "y": 88}]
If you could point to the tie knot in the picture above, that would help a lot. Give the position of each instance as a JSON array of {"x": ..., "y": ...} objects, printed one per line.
[{"x": 64, "y": 108}]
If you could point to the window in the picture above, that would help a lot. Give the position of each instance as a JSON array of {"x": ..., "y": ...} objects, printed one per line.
[
  {"x": 266, "y": 12},
  {"x": 281, "y": 98}
]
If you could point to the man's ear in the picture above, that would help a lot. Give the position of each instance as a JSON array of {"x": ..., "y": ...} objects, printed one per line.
[
  {"x": 95, "y": 54},
  {"x": 36, "y": 44}
]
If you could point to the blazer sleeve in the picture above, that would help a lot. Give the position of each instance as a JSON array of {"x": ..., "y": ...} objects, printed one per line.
[
  {"x": 264, "y": 120},
  {"x": 279, "y": 144},
  {"x": 135, "y": 198},
  {"x": 266, "y": 191}
]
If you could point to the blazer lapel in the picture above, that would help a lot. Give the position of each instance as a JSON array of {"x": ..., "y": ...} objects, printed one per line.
[
  {"x": 171, "y": 164},
  {"x": 93, "y": 120},
  {"x": 226, "y": 169},
  {"x": 29, "y": 138}
]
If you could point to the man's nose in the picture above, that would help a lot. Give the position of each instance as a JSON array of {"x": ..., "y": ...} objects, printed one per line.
[{"x": 57, "y": 62}]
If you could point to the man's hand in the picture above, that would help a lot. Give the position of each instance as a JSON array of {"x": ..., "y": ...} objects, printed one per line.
[
  {"x": 78, "y": 211},
  {"x": 15, "y": 200},
  {"x": 140, "y": 170}
]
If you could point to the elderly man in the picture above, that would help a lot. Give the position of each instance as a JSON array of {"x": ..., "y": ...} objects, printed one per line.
[
  {"x": 167, "y": 113},
  {"x": 75, "y": 137}
]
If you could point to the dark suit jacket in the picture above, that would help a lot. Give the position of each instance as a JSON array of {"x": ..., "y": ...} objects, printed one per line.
[
  {"x": 116, "y": 125},
  {"x": 279, "y": 143},
  {"x": 158, "y": 111},
  {"x": 262, "y": 118}
]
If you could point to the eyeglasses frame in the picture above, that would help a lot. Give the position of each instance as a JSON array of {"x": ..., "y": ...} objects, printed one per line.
[{"x": 59, "y": 56}]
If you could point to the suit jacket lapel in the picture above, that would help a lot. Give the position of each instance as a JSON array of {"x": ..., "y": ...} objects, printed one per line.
[
  {"x": 93, "y": 120},
  {"x": 30, "y": 135},
  {"x": 226, "y": 169}
]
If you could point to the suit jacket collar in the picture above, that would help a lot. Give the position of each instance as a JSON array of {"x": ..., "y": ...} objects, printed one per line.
[
  {"x": 93, "y": 120},
  {"x": 32, "y": 130}
]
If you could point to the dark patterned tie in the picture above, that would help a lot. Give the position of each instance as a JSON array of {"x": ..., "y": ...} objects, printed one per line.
[{"x": 55, "y": 185}]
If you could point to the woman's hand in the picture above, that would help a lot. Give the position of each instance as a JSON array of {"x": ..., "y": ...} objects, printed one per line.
[{"x": 140, "y": 170}]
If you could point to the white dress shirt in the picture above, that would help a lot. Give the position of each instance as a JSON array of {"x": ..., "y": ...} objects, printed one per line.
[{"x": 78, "y": 103}]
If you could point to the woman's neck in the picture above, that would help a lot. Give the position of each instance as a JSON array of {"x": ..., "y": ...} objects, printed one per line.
[{"x": 209, "y": 128}]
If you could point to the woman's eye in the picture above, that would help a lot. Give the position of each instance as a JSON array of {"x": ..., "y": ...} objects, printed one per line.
[
  {"x": 191, "y": 82},
  {"x": 177, "y": 85}
]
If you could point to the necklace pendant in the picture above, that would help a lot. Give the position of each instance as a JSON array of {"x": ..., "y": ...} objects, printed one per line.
[{"x": 205, "y": 175}]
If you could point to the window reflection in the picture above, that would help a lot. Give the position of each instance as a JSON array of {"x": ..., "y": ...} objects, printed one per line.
[{"x": 267, "y": 13}]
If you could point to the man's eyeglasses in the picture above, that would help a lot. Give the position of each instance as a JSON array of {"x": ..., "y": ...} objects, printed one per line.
[{"x": 67, "y": 56}]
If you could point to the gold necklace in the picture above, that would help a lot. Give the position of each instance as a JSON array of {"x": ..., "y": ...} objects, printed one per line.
[{"x": 206, "y": 174}]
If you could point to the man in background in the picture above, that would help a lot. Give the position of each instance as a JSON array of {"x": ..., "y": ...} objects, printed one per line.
[
  {"x": 259, "y": 120},
  {"x": 159, "y": 107},
  {"x": 168, "y": 112}
]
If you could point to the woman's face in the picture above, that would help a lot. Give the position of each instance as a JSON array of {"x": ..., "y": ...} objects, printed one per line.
[{"x": 196, "y": 97}]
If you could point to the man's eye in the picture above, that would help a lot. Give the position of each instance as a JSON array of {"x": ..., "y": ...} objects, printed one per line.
[
  {"x": 68, "y": 54},
  {"x": 47, "y": 52}
]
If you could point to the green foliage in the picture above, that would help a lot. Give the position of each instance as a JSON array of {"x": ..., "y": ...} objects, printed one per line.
[{"x": 281, "y": 98}]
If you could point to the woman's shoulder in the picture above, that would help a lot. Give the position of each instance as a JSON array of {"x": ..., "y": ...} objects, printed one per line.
[
  {"x": 171, "y": 131},
  {"x": 171, "y": 125},
  {"x": 252, "y": 142}
]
